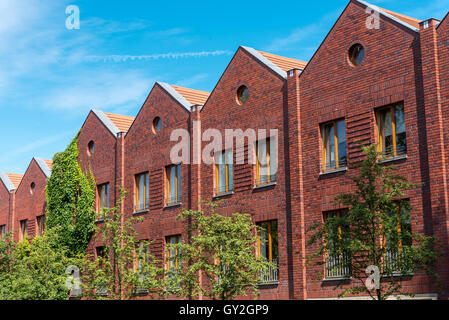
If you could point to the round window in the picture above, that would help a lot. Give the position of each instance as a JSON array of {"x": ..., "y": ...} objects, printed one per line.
[
  {"x": 356, "y": 54},
  {"x": 32, "y": 187},
  {"x": 157, "y": 124},
  {"x": 242, "y": 95},
  {"x": 91, "y": 148}
]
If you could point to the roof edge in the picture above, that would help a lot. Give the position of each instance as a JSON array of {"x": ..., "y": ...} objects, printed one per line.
[
  {"x": 379, "y": 10},
  {"x": 175, "y": 95},
  {"x": 7, "y": 182},
  {"x": 44, "y": 167},
  {"x": 265, "y": 61},
  {"x": 106, "y": 121}
]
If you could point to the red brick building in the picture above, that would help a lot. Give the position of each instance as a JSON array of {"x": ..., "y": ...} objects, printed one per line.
[{"x": 378, "y": 77}]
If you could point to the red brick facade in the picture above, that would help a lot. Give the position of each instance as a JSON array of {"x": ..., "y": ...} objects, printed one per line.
[{"x": 405, "y": 62}]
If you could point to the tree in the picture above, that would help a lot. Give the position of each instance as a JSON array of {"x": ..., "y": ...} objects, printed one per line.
[
  {"x": 125, "y": 268},
  {"x": 375, "y": 230},
  {"x": 33, "y": 270},
  {"x": 70, "y": 196},
  {"x": 222, "y": 249}
]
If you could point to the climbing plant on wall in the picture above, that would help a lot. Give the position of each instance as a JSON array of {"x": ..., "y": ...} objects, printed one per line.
[{"x": 70, "y": 198}]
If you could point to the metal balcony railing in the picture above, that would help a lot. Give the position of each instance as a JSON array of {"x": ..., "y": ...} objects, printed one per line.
[
  {"x": 391, "y": 260},
  {"x": 223, "y": 190},
  {"x": 270, "y": 274},
  {"x": 338, "y": 266},
  {"x": 263, "y": 180},
  {"x": 141, "y": 207},
  {"x": 173, "y": 200}
]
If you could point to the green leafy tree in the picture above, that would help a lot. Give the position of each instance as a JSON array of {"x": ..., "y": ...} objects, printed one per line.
[
  {"x": 34, "y": 270},
  {"x": 125, "y": 268},
  {"x": 375, "y": 231},
  {"x": 222, "y": 249},
  {"x": 70, "y": 198}
]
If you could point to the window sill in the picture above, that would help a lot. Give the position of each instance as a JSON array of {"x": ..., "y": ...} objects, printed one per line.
[
  {"x": 385, "y": 160},
  {"x": 224, "y": 194},
  {"x": 337, "y": 279},
  {"x": 99, "y": 220},
  {"x": 178, "y": 204},
  {"x": 143, "y": 211},
  {"x": 266, "y": 185},
  {"x": 271, "y": 283},
  {"x": 334, "y": 171}
]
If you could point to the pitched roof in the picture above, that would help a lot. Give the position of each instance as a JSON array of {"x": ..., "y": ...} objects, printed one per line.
[
  {"x": 411, "y": 21},
  {"x": 15, "y": 179},
  {"x": 45, "y": 165},
  {"x": 123, "y": 123},
  {"x": 10, "y": 186},
  {"x": 194, "y": 97},
  {"x": 406, "y": 21},
  {"x": 284, "y": 63}
]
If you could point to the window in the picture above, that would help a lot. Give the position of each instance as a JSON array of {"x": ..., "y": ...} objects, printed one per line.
[
  {"x": 356, "y": 54},
  {"x": 103, "y": 197},
  {"x": 173, "y": 259},
  {"x": 333, "y": 137},
  {"x": 242, "y": 95},
  {"x": 391, "y": 131},
  {"x": 268, "y": 249},
  {"x": 2, "y": 232},
  {"x": 23, "y": 229},
  {"x": 32, "y": 188},
  {"x": 100, "y": 253},
  {"x": 173, "y": 184},
  {"x": 90, "y": 148},
  {"x": 266, "y": 161},
  {"x": 337, "y": 260},
  {"x": 224, "y": 174},
  {"x": 40, "y": 225},
  {"x": 157, "y": 124},
  {"x": 399, "y": 237},
  {"x": 142, "y": 192},
  {"x": 142, "y": 256}
]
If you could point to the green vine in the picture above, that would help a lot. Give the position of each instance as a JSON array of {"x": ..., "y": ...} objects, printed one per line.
[{"x": 70, "y": 198}]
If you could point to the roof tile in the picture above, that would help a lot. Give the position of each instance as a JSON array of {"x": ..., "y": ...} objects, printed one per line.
[
  {"x": 195, "y": 97},
  {"x": 15, "y": 178},
  {"x": 284, "y": 63},
  {"x": 123, "y": 123}
]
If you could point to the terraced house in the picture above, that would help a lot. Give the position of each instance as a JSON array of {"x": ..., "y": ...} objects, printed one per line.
[{"x": 382, "y": 81}]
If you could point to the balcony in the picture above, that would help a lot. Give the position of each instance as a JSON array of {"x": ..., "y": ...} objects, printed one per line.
[
  {"x": 141, "y": 207},
  {"x": 263, "y": 181},
  {"x": 338, "y": 266},
  {"x": 172, "y": 201},
  {"x": 270, "y": 274}
]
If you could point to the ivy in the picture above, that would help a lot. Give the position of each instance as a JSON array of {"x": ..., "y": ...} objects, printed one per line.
[{"x": 70, "y": 198}]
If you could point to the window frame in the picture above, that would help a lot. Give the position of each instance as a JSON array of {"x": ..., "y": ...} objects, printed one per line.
[
  {"x": 23, "y": 231},
  {"x": 270, "y": 178},
  {"x": 2, "y": 231},
  {"x": 146, "y": 191},
  {"x": 323, "y": 127},
  {"x": 229, "y": 172},
  {"x": 40, "y": 222},
  {"x": 270, "y": 234},
  {"x": 380, "y": 147},
  {"x": 99, "y": 197},
  {"x": 168, "y": 184},
  {"x": 168, "y": 257}
]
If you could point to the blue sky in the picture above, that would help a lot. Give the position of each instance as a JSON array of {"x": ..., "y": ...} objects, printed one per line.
[{"x": 50, "y": 77}]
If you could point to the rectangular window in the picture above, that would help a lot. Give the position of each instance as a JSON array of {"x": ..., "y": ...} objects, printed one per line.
[
  {"x": 337, "y": 260},
  {"x": 266, "y": 161},
  {"x": 400, "y": 237},
  {"x": 142, "y": 256},
  {"x": 142, "y": 192},
  {"x": 2, "y": 232},
  {"x": 224, "y": 173},
  {"x": 23, "y": 229},
  {"x": 103, "y": 197},
  {"x": 268, "y": 249},
  {"x": 333, "y": 137},
  {"x": 172, "y": 260},
  {"x": 173, "y": 184},
  {"x": 391, "y": 133},
  {"x": 40, "y": 225}
]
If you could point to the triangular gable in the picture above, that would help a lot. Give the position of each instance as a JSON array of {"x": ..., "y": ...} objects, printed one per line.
[
  {"x": 107, "y": 122},
  {"x": 175, "y": 95}
]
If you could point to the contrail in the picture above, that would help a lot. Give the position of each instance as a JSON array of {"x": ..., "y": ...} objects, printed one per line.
[{"x": 175, "y": 55}]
